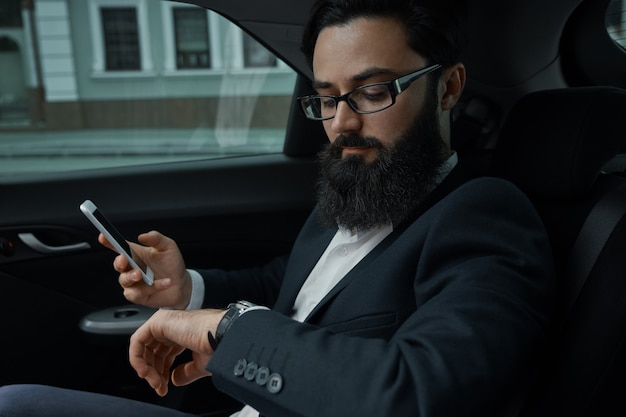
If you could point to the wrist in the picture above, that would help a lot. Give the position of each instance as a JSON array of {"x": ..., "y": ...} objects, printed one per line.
[
  {"x": 193, "y": 290},
  {"x": 181, "y": 289},
  {"x": 231, "y": 314}
]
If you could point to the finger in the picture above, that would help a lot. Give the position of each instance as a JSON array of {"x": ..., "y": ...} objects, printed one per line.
[
  {"x": 133, "y": 280},
  {"x": 148, "y": 365},
  {"x": 162, "y": 284},
  {"x": 121, "y": 264},
  {"x": 104, "y": 242},
  {"x": 160, "y": 360},
  {"x": 130, "y": 278},
  {"x": 155, "y": 240},
  {"x": 187, "y": 373},
  {"x": 136, "y": 296},
  {"x": 137, "y": 352},
  {"x": 157, "y": 381},
  {"x": 163, "y": 357},
  {"x": 141, "y": 361},
  {"x": 135, "y": 290}
]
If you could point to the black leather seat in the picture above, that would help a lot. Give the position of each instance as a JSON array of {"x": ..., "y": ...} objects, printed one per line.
[{"x": 555, "y": 146}]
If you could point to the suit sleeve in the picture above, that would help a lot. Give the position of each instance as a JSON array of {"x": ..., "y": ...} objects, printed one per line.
[
  {"x": 258, "y": 285},
  {"x": 483, "y": 287}
]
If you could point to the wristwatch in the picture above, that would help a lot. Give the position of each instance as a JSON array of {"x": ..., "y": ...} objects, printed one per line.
[{"x": 234, "y": 311}]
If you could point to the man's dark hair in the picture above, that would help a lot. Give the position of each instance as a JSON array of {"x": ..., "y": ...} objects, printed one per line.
[{"x": 434, "y": 28}]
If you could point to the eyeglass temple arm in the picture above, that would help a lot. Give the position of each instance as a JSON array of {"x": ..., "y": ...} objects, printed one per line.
[{"x": 403, "y": 83}]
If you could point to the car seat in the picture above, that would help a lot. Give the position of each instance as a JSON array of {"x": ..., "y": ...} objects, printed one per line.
[{"x": 555, "y": 145}]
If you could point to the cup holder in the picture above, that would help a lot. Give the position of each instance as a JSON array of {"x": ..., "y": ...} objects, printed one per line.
[
  {"x": 120, "y": 321},
  {"x": 125, "y": 313}
]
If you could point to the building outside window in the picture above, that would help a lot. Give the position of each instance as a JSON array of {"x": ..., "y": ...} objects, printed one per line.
[
  {"x": 121, "y": 38},
  {"x": 10, "y": 14},
  {"x": 616, "y": 21},
  {"x": 191, "y": 29},
  {"x": 113, "y": 83},
  {"x": 255, "y": 55}
]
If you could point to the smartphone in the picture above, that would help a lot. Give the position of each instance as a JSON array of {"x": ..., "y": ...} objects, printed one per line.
[{"x": 116, "y": 239}]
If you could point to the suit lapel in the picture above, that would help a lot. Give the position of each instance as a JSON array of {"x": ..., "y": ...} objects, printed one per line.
[
  {"x": 301, "y": 262},
  {"x": 457, "y": 177},
  {"x": 357, "y": 271}
]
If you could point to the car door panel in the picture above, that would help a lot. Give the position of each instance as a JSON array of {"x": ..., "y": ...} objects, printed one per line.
[{"x": 226, "y": 213}]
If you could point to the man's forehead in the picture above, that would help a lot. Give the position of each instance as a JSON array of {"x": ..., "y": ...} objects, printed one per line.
[
  {"x": 374, "y": 72},
  {"x": 361, "y": 50}
]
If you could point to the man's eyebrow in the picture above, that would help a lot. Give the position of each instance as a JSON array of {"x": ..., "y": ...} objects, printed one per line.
[
  {"x": 320, "y": 85},
  {"x": 360, "y": 77}
]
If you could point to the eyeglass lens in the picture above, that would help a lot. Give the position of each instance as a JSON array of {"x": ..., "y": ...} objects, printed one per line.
[{"x": 366, "y": 99}]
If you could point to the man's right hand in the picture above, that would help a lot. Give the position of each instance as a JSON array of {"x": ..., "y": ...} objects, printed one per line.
[{"x": 172, "y": 283}]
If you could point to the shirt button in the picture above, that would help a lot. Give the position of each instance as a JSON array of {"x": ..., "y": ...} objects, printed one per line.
[
  {"x": 343, "y": 251},
  {"x": 274, "y": 383}
]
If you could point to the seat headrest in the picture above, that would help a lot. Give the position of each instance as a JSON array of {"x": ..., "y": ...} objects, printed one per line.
[{"x": 555, "y": 142}]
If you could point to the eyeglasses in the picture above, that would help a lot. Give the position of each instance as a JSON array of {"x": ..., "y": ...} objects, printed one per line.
[{"x": 370, "y": 98}]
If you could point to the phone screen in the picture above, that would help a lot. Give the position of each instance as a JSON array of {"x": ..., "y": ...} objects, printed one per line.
[
  {"x": 115, "y": 234},
  {"x": 114, "y": 237}
]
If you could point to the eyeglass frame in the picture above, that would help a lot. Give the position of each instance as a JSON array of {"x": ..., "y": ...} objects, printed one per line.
[{"x": 395, "y": 87}]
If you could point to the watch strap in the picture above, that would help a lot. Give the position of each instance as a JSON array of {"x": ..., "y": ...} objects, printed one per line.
[{"x": 233, "y": 312}]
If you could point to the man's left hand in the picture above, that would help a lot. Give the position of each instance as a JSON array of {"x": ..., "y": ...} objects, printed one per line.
[{"x": 157, "y": 343}]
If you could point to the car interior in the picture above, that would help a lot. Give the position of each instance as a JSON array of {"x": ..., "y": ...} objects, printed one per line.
[
  {"x": 582, "y": 207},
  {"x": 544, "y": 106}
]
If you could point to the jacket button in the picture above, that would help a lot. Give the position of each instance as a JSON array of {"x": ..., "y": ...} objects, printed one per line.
[
  {"x": 250, "y": 372},
  {"x": 274, "y": 383},
  {"x": 262, "y": 375},
  {"x": 240, "y": 367}
]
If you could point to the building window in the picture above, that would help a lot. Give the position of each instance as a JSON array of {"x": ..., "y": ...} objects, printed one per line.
[
  {"x": 10, "y": 13},
  {"x": 191, "y": 29},
  {"x": 121, "y": 38},
  {"x": 255, "y": 55}
]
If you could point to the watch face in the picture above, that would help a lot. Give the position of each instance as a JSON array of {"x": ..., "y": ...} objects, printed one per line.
[{"x": 244, "y": 305}]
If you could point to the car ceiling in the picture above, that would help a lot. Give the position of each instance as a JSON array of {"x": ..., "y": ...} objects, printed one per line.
[{"x": 520, "y": 41}]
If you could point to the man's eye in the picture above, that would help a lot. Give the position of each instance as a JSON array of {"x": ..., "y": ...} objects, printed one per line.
[
  {"x": 373, "y": 94},
  {"x": 379, "y": 96},
  {"x": 327, "y": 102}
]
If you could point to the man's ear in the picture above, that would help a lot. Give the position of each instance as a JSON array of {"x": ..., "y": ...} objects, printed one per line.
[{"x": 452, "y": 84}]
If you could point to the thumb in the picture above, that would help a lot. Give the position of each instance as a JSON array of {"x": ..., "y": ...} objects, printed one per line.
[
  {"x": 155, "y": 240},
  {"x": 187, "y": 373}
]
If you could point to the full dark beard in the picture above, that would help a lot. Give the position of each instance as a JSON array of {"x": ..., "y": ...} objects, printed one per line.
[{"x": 357, "y": 195}]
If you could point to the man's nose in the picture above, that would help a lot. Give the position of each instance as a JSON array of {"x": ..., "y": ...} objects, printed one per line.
[{"x": 346, "y": 120}]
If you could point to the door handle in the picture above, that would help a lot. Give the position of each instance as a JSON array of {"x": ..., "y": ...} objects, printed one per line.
[{"x": 37, "y": 245}]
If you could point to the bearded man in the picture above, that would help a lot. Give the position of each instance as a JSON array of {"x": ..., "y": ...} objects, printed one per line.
[{"x": 411, "y": 290}]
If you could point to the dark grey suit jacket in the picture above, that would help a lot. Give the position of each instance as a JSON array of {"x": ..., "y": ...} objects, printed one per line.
[{"x": 441, "y": 319}]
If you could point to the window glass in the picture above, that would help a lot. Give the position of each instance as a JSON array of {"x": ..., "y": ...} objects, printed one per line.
[
  {"x": 192, "y": 40},
  {"x": 10, "y": 13},
  {"x": 255, "y": 55},
  {"x": 137, "y": 82},
  {"x": 121, "y": 38},
  {"x": 616, "y": 21}
]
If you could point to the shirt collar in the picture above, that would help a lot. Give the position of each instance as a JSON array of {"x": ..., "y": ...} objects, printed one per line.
[{"x": 446, "y": 168}]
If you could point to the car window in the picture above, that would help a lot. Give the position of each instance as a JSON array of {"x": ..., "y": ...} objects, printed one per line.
[
  {"x": 104, "y": 83},
  {"x": 616, "y": 21}
]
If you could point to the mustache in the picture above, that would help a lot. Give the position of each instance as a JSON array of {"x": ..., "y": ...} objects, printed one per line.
[{"x": 349, "y": 141}]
